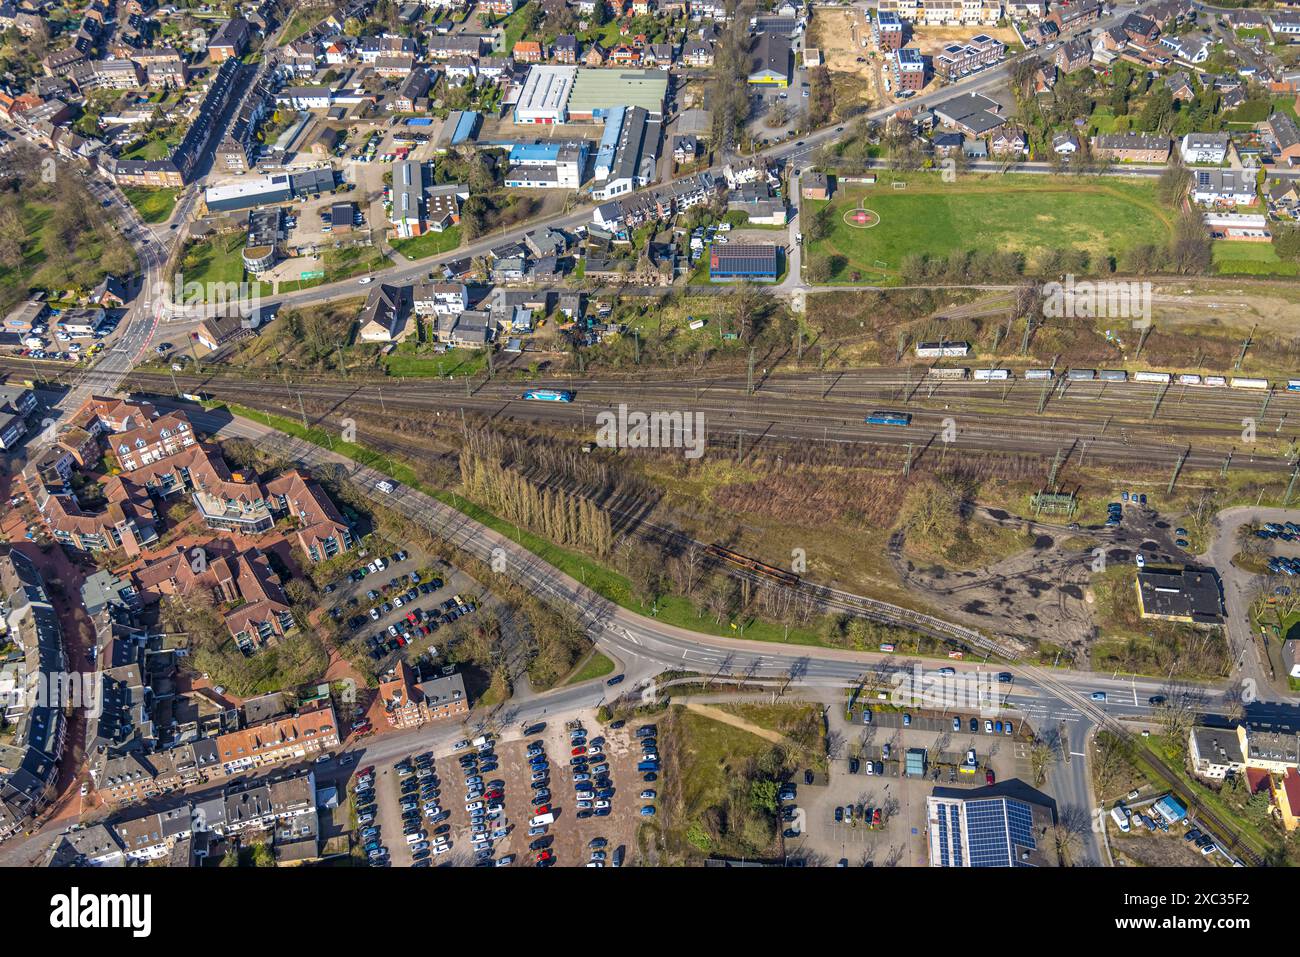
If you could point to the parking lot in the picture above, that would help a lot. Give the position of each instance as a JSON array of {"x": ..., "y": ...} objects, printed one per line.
[
  {"x": 526, "y": 801},
  {"x": 867, "y": 810},
  {"x": 395, "y": 613}
]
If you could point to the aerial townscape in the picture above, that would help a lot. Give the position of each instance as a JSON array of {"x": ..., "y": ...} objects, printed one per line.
[{"x": 650, "y": 433}]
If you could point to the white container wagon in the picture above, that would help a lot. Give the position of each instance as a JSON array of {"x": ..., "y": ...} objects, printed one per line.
[{"x": 1239, "y": 383}]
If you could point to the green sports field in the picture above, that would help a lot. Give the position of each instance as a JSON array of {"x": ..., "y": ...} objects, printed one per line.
[{"x": 1006, "y": 213}]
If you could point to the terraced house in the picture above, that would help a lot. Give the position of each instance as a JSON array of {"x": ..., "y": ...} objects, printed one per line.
[{"x": 302, "y": 736}]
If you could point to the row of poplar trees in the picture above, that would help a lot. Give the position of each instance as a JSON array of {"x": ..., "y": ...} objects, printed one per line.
[{"x": 568, "y": 520}]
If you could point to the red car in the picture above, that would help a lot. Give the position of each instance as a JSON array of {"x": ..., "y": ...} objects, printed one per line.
[
  {"x": 492, "y": 796},
  {"x": 544, "y": 809},
  {"x": 401, "y": 642},
  {"x": 988, "y": 777},
  {"x": 544, "y": 856},
  {"x": 368, "y": 769},
  {"x": 410, "y": 616},
  {"x": 577, "y": 751},
  {"x": 426, "y": 630}
]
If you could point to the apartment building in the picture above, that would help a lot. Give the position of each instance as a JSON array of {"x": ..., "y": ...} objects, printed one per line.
[
  {"x": 408, "y": 704},
  {"x": 301, "y": 737},
  {"x": 1131, "y": 147},
  {"x": 961, "y": 59},
  {"x": 888, "y": 32},
  {"x": 946, "y": 13}
]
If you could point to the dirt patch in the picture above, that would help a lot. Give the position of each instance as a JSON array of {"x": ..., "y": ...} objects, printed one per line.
[
  {"x": 854, "y": 65},
  {"x": 930, "y": 40},
  {"x": 1157, "y": 850}
]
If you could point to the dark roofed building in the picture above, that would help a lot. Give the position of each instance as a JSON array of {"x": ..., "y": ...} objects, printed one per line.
[
  {"x": 1189, "y": 594},
  {"x": 769, "y": 60},
  {"x": 745, "y": 261}
]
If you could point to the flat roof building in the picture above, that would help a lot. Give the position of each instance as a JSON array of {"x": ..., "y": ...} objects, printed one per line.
[
  {"x": 1189, "y": 594},
  {"x": 985, "y": 829},
  {"x": 545, "y": 95},
  {"x": 597, "y": 94}
]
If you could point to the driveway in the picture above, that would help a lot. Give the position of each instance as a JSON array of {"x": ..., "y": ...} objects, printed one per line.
[{"x": 1239, "y": 588}]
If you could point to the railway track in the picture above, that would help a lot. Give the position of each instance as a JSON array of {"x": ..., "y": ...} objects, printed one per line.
[{"x": 732, "y": 416}]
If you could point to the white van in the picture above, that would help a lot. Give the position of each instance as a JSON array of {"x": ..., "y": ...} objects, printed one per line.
[{"x": 540, "y": 819}]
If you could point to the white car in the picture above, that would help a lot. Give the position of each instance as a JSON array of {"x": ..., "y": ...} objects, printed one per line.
[
  {"x": 441, "y": 848},
  {"x": 474, "y": 806},
  {"x": 385, "y": 486},
  {"x": 365, "y": 280}
]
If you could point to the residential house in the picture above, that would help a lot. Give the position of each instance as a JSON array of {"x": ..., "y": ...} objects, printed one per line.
[
  {"x": 1205, "y": 148},
  {"x": 384, "y": 318},
  {"x": 230, "y": 40},
  {"x": 1224, "y": 187},
  {"x": 1131, "y": 147},
  {"x": 1285, "y": 136},
  {"x": 1073, "y": 55},
  {"x": 1010, "y": 142}
]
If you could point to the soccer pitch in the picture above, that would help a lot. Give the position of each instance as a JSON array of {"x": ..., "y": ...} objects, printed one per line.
[{"x": 1005, "y": 213}]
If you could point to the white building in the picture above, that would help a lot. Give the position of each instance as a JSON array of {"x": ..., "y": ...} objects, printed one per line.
[
  {"x": 1205, "y": 148},
  {"x": 545, "y": 95}
]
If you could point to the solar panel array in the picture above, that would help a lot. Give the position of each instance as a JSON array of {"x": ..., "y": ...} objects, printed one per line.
[
  {"x": 749, "y": 260},
  {"x": 994, "y": 828}
]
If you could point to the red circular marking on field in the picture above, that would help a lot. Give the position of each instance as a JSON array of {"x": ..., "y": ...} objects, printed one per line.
[{"x": 862, "y": 218}]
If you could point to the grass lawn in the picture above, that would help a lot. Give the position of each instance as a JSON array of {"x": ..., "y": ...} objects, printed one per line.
[
  {"x": 353, "y": 261},
  {"x": 596, "y": 666},
  {"x": 153, "y": 205},
  {"x": 151, "y": 149},
  {"x": 1103, "y": 120},
  {"x": 1286, "y": 105},
  {"x": 709, "y": 755},
  {"x": 217, "y": 259},
  {"x": 513, "y": 26},
  {"x": 1002, "y": 213},
  {"x": 430, "y": 244},
  {"x": 1251, "y": 259},
  {"x": 299, "y": 23},
  {"x": 408, "y": 360}
]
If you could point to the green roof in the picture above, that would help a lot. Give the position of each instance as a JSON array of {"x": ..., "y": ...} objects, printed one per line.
[{"x": 605, "y": 89}]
